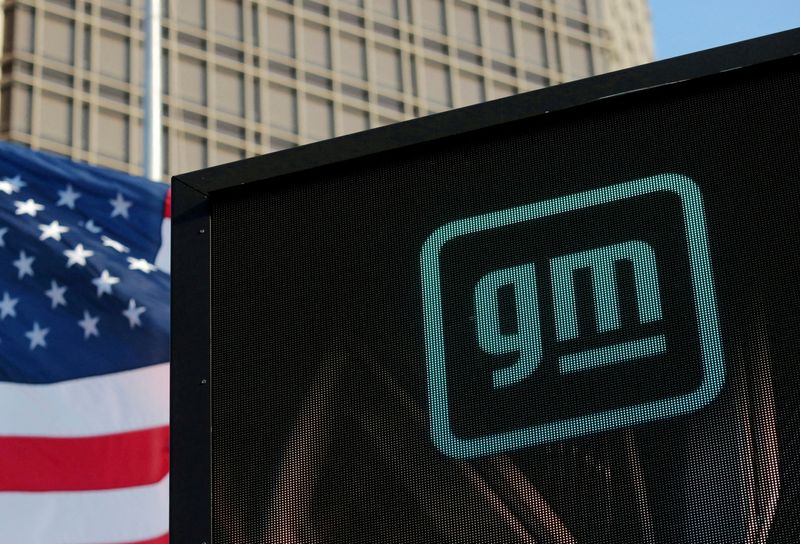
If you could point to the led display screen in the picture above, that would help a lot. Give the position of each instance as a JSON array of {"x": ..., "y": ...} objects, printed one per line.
[{"x": 578, "y": 327}]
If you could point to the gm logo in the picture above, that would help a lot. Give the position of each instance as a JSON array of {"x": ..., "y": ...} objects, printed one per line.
[{"x": 571, "y": 316}]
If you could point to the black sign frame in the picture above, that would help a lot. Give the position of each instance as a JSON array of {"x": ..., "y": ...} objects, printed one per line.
[{"x": 194, "y": 192}]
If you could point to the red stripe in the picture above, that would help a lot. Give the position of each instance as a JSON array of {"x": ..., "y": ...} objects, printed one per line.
[
  {"x": 82, "y": 464},
  {"x": 168, "y": 205}
]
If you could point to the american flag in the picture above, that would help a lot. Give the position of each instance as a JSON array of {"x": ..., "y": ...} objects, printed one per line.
[{"x": 84, "y": 350}]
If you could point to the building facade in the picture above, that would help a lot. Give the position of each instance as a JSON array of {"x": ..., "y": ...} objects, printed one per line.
[{"x": 246, "y": 77}]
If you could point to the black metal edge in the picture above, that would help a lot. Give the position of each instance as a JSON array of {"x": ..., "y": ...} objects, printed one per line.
[
  {"x": 496, "y": 112},
  {"x": 190, "y": 421}
]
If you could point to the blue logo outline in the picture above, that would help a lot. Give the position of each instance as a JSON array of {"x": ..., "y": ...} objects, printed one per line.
[{"x": 705, "y": 312}]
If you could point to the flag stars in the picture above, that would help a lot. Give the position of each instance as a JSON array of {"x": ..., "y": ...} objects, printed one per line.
[
  {"x": 56, "y": 294},
  {"x": 78, "y": 255},
  {"x": 54, "y": 230},
  {"x": 113, "y": 244},
  {"x": 133, "y": 313},
  {"x": 67, "y": 197},
  {"x": 104, "y": 283},
  {"x": 3, "y": 233},
  {"x": 91, "y": 227},
  {"x": 11, "y": 185},
  {"x": 28, "y": 207},
  {"x": 24, "y": 265},
  {"x": 120, "y": 206},
  {"x": 37, "y": 336},
  {"x": 89, "y": 325},
  {"x": 8, "y": 306},
  {"x": 140, "y": 264}
]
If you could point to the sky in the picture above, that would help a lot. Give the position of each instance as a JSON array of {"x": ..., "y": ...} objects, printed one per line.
[{"x": 684, "y": 26}]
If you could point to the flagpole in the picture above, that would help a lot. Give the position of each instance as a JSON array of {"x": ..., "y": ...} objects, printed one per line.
[{"x": 153, "y": 161}]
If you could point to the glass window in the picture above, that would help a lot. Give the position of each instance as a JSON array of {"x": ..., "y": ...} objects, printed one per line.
[
  {"x": 192, "y": 153},
  {"x": 386, "y": 7},
  {"x": 230, "y": 91},
  {"x": 536, "y": 81},
  {"x": 534, "y": 49},
  {"x": 226, "y": 153},
  {"x": 353, "y": 120},
  {"x": 191, "y": 12},
  {"x": 228, "y": 18},
  {"x": 112, "y": 127},
  {"x": 388, "y": 69},
  {"x": 437, "y": 84},
  {"x": 56, "y": 118},
  {"x": 470, "y": 88},
  {"x": 254, "y": 34},
  {"x": 87, "y": 47},
  {"x": 85, "y": 127},
  {"x": 500, "y": 34},
  {"x": 114, "y": 55},
  {"x": 280, "y": 33},
  {"x": 352, "y": 52},
  {"x": 467, "y": 29},
  {"x": 318, "y": 118},
  {"x": 282, "y": 111},
  {"x": 574, "y": 5},
  {"x": 21, "y": 108},
  {"x": 433, "y": 15},
  {"x": 257, "y": 100},
  {"x": 60, "y": 34},
  {"x": 579, "y": 58},
  {"x": 501, "y": 90},
  {"x": 192, "y": 78},
  {"x": 276, "y": 144},
  {"x": 23, "y": 29},
  {"x": 316, "y": 42}
]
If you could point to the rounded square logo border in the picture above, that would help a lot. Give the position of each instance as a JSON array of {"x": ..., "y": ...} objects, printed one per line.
[{"x": 705, "y": 311}]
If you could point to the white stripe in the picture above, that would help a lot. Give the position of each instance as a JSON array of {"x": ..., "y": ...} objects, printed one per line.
[
  {"x": 85, "y": 517},
  {"x": 124, "y": 401},
  {"x": 163, "y": 257}
]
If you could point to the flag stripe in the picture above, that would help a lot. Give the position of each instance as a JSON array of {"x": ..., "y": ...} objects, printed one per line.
[
  {"x": 86, "y": 517},
  {"x": 73, "y": 464},
  {"x": 84, "y": 322},
  {"x": 114, "y": 403},
  {"x": 163, "y": 261}
]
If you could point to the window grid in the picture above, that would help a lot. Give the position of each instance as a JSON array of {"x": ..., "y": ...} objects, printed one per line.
[{"x": 225, "y": 113}]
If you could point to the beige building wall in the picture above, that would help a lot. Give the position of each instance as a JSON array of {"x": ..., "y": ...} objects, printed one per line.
[{"x": 246, "y": 77}]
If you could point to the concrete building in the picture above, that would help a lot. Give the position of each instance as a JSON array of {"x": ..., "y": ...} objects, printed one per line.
[{"x": 246, "y": 77}]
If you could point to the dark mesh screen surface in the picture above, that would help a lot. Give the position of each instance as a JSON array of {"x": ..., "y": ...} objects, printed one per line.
[{"x": 320, "y": 375}]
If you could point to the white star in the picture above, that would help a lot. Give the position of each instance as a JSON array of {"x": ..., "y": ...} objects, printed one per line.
[
  {"x": 29, "y": 207},
  {"x": 54, "y": 230},
  {"x": 91, "y": 227},
  {"x": 140, "y": 264},
  {"x": 36, "y": 336},
  {"x": 108, "y": 242},
  {"x": 7, "y": 306},
  {"x": 56, "y": 294},
  {"x": 24, "y": 264},
  {"x": 67, "y": 197},
  {"x": 133, "y": 313},
  {"x": 104, "y": 283},
  {"x": 89, "y": 325},
  {"x": 120, "y": 206},
  {"x": 11, "y": 185},
  {"x": 3, "y": 232},
  {"x": 78, "y": 255}
]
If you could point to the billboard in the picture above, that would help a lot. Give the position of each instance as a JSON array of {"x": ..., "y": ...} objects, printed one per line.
[{"x": 567, "y": 316}]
